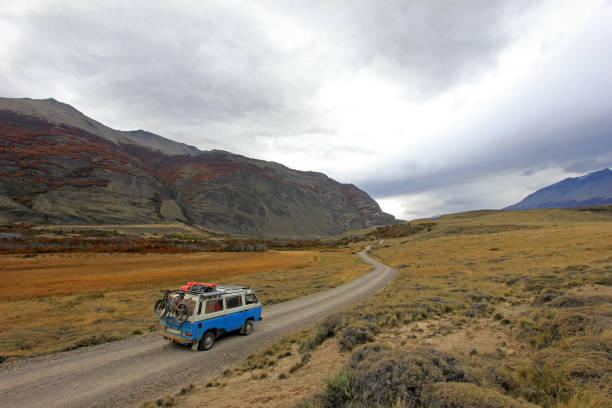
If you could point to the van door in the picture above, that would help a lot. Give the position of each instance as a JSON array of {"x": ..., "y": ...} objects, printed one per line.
[
  {"x": 235, "y": 316},
  {"x": 212, "y": 317}
]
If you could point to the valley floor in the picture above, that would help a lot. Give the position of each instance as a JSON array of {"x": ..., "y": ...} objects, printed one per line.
[{"x": 489, "y": 309}]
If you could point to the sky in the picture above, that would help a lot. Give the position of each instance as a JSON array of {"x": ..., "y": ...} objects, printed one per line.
[{"x": 430, "y": 106}]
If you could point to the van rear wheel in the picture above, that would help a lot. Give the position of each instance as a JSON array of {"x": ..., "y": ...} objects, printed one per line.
[
  {"x": 207, "y": 341},
  {"x": 247, "y": 328}
]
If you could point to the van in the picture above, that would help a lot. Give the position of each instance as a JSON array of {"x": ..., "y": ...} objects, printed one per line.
[{"x": 198, "y": 313}]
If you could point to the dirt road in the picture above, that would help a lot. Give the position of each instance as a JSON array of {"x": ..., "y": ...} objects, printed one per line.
[{"x": 127, "y": 372}]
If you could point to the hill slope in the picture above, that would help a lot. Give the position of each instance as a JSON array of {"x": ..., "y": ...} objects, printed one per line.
[
  {"x": 592, "y": 189},
  {"x": 59, "y": 166}
]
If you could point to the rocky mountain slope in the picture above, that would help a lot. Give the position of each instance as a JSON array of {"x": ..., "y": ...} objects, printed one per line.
[
  {"x": 591, "y": 189},
  {"x": 59, "y": 166}
]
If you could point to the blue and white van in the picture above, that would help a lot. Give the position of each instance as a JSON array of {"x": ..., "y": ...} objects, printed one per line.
[{"x": 212, "y": 312}]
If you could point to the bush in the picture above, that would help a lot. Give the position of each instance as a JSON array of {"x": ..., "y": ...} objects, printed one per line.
[
  {"x": 567, "y": 324},
  {"x": 327, "y": 328},
  {"x": 354, "y": 335},
  {"x": 578, "y": 301},
  {"x": 540, "y": 282},
  {"x": 466, "y": 395},
  {"x": 586, "y": 400},
  {"x": 502, "y": 378},
  {"x": 339, "y": 389},
  {"x": 477, "y": 309},
  {"x": 547, "y": 295},
  {"x": 300, "y": 363},
  {"x": 365, "y": 352},
  {"x": 582, "y": 359},
  {"x": 379, "y": 377}
]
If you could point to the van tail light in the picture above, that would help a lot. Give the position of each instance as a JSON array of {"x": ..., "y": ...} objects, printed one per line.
[{"x": 188, "y": 334}]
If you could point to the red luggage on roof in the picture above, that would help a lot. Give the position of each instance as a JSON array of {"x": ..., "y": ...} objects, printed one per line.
[{"x": 190, "y": 284}]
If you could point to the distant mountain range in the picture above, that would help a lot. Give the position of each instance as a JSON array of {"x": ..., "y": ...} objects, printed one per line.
[
  {"x": 59, "y": 166},
  {"x": 592, "y": 189}
]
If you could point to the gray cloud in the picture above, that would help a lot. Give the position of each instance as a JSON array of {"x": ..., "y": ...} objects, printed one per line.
[
  {"x": 220, "y": 75},
  {"x": 195, "y": 65},
  {"x": 581, "y": 147},
  {"x": 430, "y": 44},
  {"x": 560, "y": 118},
  {"x": 213, "y": 63}
]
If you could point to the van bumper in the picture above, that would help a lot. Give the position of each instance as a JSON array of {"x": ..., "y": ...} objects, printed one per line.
[{"x": 177, "y": 338}]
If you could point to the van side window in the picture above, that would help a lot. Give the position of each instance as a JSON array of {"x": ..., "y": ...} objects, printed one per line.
[
  {"x": 234, "y": 301},
  {"x": 200, "y": 308},
  {"x": 213, "y": 306},
  {"x": 250, "y": 299}
]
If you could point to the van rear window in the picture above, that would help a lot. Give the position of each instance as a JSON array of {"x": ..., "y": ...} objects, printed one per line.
[
  {"x": 250, "y": 299},
  {"x": 213, "y": 306}
]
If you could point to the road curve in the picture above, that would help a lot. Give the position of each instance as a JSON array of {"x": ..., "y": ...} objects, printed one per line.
[{"x": 126, "y": 372}]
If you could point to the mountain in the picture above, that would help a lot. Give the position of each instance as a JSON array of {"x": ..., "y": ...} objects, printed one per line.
[
  {"x": 59, "y": 166},
  {"x": 60, "y": 113},
  {"x": 591, "y": 189}
]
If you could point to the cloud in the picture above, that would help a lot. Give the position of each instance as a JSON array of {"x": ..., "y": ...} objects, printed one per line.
[
  {"x": 193, "y": 65},
  {"x": 223, "y": 64},
  {"x": 423, "y": 101},
  {"x": 430, "y": 44},
  {"x": 584, "y": 146}
]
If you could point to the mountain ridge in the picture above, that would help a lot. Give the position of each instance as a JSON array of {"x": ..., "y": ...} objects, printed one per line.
[
  {"x": 594, "y": 188},
  {"x": 58, "y": 112},
  {"x": 54, "y": 172}
]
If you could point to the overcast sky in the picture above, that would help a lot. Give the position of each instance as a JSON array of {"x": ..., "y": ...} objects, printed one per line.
[{"x": 431, "y": 106}]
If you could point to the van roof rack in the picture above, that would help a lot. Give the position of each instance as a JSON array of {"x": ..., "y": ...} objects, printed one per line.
[
  {"x": 235, "y": 287},
  {"x": 217, "y": 292}
]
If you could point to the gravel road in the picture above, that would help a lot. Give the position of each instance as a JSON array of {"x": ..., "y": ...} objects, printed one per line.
[{"x": 127, "y": 372}]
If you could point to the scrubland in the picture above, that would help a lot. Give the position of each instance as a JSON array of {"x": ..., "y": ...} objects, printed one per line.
[
  {"x": 52, "y": 302},
  {"x": 489, "y": 309}
]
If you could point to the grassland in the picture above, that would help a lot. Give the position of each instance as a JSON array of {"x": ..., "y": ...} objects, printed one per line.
[
  {"x": 52, "y": 302},
  {"x": 490, "y": 309}
]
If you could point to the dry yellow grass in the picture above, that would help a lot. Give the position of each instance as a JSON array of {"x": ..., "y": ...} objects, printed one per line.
[
  {"x": 75, "y": 273},
  {"x": 54, "y": 302}
]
